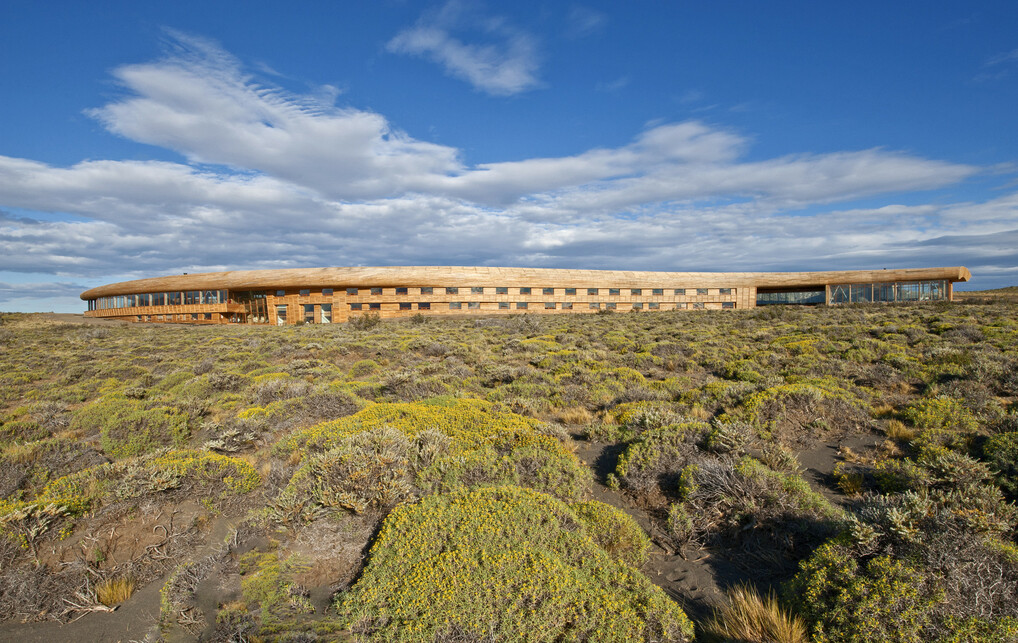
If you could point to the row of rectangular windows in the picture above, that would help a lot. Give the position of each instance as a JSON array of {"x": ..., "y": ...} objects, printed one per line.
[
  {"x": 504, "y": 290},
  {"x": 522, "y": 305}
]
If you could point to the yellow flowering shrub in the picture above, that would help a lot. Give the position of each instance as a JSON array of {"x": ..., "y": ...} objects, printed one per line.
[{"x": 501, "y": 563}]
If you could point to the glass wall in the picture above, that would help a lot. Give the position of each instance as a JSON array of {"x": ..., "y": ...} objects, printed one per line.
[
  {"x": 803, "y": 297},
  {"x": 889, "y": 292}
]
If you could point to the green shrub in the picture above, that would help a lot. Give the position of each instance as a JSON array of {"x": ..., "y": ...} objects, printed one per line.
[
  {"x": 616, "y": 532},
  {"x": 128, "y": 428},
  {"x": 945, "y": 413},
  {"x": 1001, "y": 452},
  {"x": 501, "y": 563}
]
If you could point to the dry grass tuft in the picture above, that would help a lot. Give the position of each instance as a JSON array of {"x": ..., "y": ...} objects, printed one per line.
[
  {"x": 750, "y": 617},
  {"x": 575, "y": 415},
  {"x": 896, "y": 430},
  {"x": 114, "y": 591}
]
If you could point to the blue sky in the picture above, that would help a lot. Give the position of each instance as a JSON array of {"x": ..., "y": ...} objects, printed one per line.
[{"x": 143, "y": 138}]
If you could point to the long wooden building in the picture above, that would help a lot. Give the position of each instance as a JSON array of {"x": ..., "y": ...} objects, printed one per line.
[{"x": 329, "y": 295}]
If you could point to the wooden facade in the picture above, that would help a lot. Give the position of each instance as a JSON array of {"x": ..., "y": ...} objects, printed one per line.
[{"x": 330, "y": 295}]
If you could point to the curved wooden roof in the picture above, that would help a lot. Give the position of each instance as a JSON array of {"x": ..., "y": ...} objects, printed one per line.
[{"x": 391, "y": 276}]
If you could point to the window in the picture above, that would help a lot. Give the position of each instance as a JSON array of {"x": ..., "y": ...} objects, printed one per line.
[
  {"x": 192, "y": 297},
  {"x": 680, "y": 306},
  {"x": 680, "y": 291},
  {"x": 208, "y": 316},
  {"x": 405, "y": 305},
  {"x": 698, "y": 305},
  {"x": 327, "y": 292},
  {"x": 375, "y": 306},
  {"x": 637, "y": 306},
  {"x": 132, "y": 300},
  {"x": 474, "y": 304},
  {"x": 305, "y": 292},
  {"x": 355, "y": 306},
  {"x": 138, "y": 318},
  {"x": 309, "y": 313},
  {"x": 455, "y": 305},
  {"x": 501, "y": 290},
  {"x": 326, "y": 313},
  {"x": 654, "y": 305},
  {"x": 725, "y": 291},
  {"x": 728, "y": 304},
  {"x": 351, "y": 291},
  {"x": 280, "y": 293},
  {"x": 424, "y": 305},
  {"x": 521, "y": 305},
  {"x": 570, "y": 291},
  {"x": 636, "y": 291},
  {"x": 524, "y": 291},
  {"x": 595, "y": 306},
  {"x": 158, "y": 299},
  {"x": 427, "y": 290},
  {"x": 614, "y": 291},
  {"x": 503, "y": 305},
  {"x": 548, "y": 291},
  {"x": 657, "y": 291},
  {"x": 452, "y": 291},
  {"x": 401, "y": 291},
  {"x": 701, "y": 291},
  {"x": 549, "y": 305},
  {"x": 477, "y": 290},
  {"x": 376, "y": 291},
  {"x": 567, "y": 305},
  {"x": 144, "y": 300},
  {"x": 280, "y": 314},
  {"x": 611, "y": 305}
]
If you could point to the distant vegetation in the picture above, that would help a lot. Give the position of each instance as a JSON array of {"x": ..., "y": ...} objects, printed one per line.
[{"x": 450, "y": 479}]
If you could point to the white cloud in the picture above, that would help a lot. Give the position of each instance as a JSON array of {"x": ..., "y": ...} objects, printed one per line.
[
  {"x": 584, "y": 21},
  {"x": 503, "y": 64}
]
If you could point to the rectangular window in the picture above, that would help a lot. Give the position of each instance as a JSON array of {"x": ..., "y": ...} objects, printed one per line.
[
  {"x": 698, "y": 305},
  {"x": 524, "y": 291},
  {"x": 280, "y": 293},
  {"x": 374, "y": 306},
  {"x": 725, "y": 291},
  {"x": 452, "y": 291},
  {"x": 521, "y": 305},
  {"x": 173, "y": 298},
  {"x": 208, "y": 316},
  {"x": 611, "y": 305},
  {"x": 570, "y": 291},
  {"x": 326, "y": 313},
  {"x": 455, "y": 305},
  {"x": 376, "y": 291},
  {"x": 192, "y": 297},
  {"x": 680, "y": 306},
  {"x": 120, "y": 301},
  {"x": 614, "y": 291},
  {"x": 595, "y": 306},
  {"x": 549, "y": 305},
  {"x": 401, "y": 291},
  {"x": 701, "y": 291},
  {"x": 327, "y": 292},
  {"x": 309, "y": 313},
  {"x": 132, "y": 301},
  {"x": 355, "y": 306},
  {"x": 280, "y": 314},
  {"x": 351, "y": 291},
  {"x": 591, "y": 291},
  {"x": 427, "y": 290},
  {"x": 305, "y": 292},
  {"x": 654, "y": 305},
  {"x": 475, "y": 305},
  {"x": 503, "y": 305},
  {"x": 145, "y": 300},
  {"x": 728, "y": 304},
  {"x": 501, "y": 290},
  {"x": 548, "y": 291},
  {"x": 567, "y": 305},
  {"x": 477, "y": 290},
  {"x": 424, "y": 305},
  {"x": 657, "y": 291},
  {"x": 405, "y": 305},
  {"x": 160, "y": 318},
  {"x": 680, "y": 291},
  {"x": 636, "y": 291},
  {"x": 637, "y": 306}
]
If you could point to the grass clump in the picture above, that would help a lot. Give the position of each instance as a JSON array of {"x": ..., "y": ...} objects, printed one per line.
[
  {"x": 501, "y": 563},
  {"x": 747, "y": 616},
  {"x": 114, "y": 591}
]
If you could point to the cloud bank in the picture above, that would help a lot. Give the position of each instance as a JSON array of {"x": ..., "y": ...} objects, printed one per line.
[{"x": 276, "y": 179}]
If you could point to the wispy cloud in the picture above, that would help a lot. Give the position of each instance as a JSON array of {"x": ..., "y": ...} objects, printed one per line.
[
  {"x": 583, "y": 21},
  {"x": 275, "y": 179},
  {"x": 501, "y": 60}
]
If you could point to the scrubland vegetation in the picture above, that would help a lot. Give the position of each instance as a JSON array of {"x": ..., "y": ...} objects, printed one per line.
[{"x": 832, "y": 474}]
